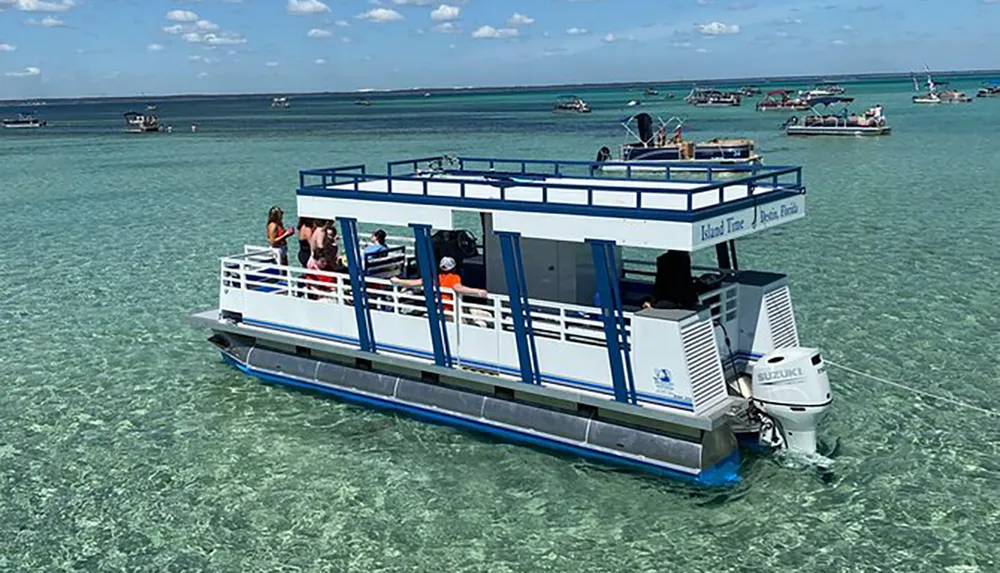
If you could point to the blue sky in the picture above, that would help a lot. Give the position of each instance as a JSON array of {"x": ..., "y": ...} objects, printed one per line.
[{"x": 58, "y": 48}]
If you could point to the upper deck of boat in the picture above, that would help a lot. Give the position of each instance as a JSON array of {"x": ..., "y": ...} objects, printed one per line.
[{"x": 563, "y": 200}]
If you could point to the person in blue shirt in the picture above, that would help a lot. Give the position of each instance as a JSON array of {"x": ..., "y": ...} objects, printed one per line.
[{"x": 377, "y": 244}]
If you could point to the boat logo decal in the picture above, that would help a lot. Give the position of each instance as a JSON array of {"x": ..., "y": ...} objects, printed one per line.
[{"x": 663, "y": 381}]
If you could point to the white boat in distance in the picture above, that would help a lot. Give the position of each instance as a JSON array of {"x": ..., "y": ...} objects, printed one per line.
[
  {"x": 136, "y": 122},
  {"x": 24, "y": 120},
  {"x": 279, "y": 102}
]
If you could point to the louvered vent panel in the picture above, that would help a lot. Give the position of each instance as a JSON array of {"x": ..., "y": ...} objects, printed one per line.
[
  {"x": 778, "y": 304},
  {"x": 708, "y": 384}
]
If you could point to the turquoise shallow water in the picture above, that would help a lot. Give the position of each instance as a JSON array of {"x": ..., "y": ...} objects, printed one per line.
[{"x": 127, "y": 445}]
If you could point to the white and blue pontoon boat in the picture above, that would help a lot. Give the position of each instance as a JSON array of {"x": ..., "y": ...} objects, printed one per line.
[
  {"x": 25, "y": 120},
  {"x": 648, "y": 147},
  {"x": 562, "y": 352}
]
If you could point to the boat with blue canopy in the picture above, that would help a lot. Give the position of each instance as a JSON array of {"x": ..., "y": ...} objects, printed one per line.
[
  {"x": 545, "y": 304},
  {"x": 989, "y": 89},
  {"x": 822, "y": 121}
]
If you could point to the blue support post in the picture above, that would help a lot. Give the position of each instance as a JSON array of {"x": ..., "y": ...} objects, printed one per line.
[
  {"x": 520, "y": 306},
  {"x": 619, "y": 355},
  {"x": 432, "y": 294},
  {"x": 366, "y": 336}
]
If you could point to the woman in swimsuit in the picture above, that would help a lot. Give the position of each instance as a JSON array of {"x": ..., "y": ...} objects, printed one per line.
[
  {"x": 277, "y": 235},
  {"x": 306, "y": 226}
]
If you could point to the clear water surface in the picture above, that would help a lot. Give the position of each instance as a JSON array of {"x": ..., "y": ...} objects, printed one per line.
[{"x": 127, "y": 445}]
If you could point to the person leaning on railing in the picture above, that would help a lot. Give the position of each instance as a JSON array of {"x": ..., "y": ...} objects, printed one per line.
[{"x": 447, "y": 278}]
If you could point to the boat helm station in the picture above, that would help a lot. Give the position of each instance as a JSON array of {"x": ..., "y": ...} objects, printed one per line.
[{"x": 596, "y": 335}]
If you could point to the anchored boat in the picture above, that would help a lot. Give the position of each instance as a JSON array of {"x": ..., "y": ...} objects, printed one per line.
[
  {"x": 571, "y": 104},
  {"x": 279, "y": 102},
  {"x": 822, "y": 122},
  {"x": 782, "y": 100},
  {"x": 649, "y": 149},
  {"x": 712, "y": 98},
  {"x": 653, "y": 364},
  {"x": 933, "y": 95},
  {"x": 136, "y": 122},
  {"x": 989, "y": 89},
  {"x": 824, "y": 89},
  {"x": 25, "y": 120}
]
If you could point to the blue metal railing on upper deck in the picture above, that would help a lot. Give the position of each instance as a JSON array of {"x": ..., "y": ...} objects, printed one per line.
[{"x": 544, "y": 175}]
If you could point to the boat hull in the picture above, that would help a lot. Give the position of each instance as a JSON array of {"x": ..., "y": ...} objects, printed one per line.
[
  {"x": 834, "y": 130},
  {"x": 707, "y": 457},
  {"x": 20, "y": 125}
]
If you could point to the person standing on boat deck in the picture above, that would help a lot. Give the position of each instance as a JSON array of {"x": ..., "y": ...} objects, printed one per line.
[
  {"x": 277, "y": 234},
  {"x": 305, "y": 226},
  {"x": 448, "y": 278},
  {"x": 318, "y": 237}
]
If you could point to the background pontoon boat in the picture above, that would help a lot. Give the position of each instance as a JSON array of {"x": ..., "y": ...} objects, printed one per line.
[
  {"x": 25, "y": 120},
  {"x": 559, "y": 352},
  {"x": 712, "y": 98},
  {"x": 748, "y": 91},
  {"x": 782, "y": 100},
  {"x": 571, "y": 104},
  {"x": 654, "y": 148},
  {"x": 136, "y": 122},
  {"x": 989, "y": 89},
  {"x": 933, "y": 95},
  {"x": 824, "y": 89},
  {"x": 279, "y": 102},
  {"x": 842, "y": 123}
]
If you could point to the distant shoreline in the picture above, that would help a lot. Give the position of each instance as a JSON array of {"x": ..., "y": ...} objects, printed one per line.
[{"x": 778, "y": 80}]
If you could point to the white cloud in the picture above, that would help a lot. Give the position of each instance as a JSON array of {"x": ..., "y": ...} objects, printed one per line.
[
  {"x": 718, "y": 29},
  {"x": 206, "y": 26},
  {"x": 319, "y": 61},
  {"x": 319, "y": 33},
  {"x": 8, "y": 48},
  {"x": 577, "y": 31},
  {"x": 381, "y": 15},
  {"x": 452, "y": 46},
  {"x": 446, "y": 13},
  {"x": 211, "y": 39},
  {"x": 306, "y": 7},
  {"x": 681, "y": 44},
  {"x": 489, "y": 32},
  {"x": 203, "y": 75},
  {"x": 410, "y": 2},
  {"x": 39, "y": 6},
  {"x": 155, "y": 47},
  {"x": 519, "y": 19},
  {"x": 702, "y": 50},
  {"x": 838, "y": 43},
  {"x": 182, "y": 16},
  {"x": 29, "y": 71},
  {"x": 342, "y": 23},
  {"x": 48, "y": 22},
  {"x": 175, "y": 29},
  {"x": 346, "y": 40},
  {"x": 195, "y": 58},
  {"x": 609, "y": 38},
  {"x": 271, "y": 64},
  {"x": 448, "y": 28}
]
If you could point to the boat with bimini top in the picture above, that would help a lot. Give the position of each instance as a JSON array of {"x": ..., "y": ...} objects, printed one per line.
[
  {"x": 712, "y": 98},
  {"x": 782, "y": 100},
  {"x": 136, "y": 122},
  {"x": 989, "y": 89},
  {"x": 648, "y": 148},
  {"x": 822, "y": 122},
  {"x": 24, "y": 120},
  {"x": 279, "y": 102},
  {"x": 544, "y": 333}
]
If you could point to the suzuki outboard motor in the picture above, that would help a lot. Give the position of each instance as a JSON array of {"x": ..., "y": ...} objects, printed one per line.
[{"x": 792, "y": 390}]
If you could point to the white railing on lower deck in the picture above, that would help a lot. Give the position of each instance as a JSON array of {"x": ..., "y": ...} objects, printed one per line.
[{"x": 569, "y": 338}]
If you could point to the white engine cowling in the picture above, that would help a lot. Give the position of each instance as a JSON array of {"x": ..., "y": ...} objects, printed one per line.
[{"x": 791, "y": 386}]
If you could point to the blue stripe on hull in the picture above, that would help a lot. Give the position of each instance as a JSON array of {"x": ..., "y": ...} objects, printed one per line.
[{"x": 724, "y": 473}]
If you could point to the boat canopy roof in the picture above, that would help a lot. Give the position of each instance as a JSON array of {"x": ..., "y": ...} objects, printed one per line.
[
  {"x": 561, "y": 200},
  {"x": 828, "y": 100},
  {"x": 992, "y": 82},
  {"x": 778, "y": 92}
]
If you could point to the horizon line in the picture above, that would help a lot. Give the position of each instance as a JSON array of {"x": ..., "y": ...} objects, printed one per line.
[{"x": 512, "y": 87}]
